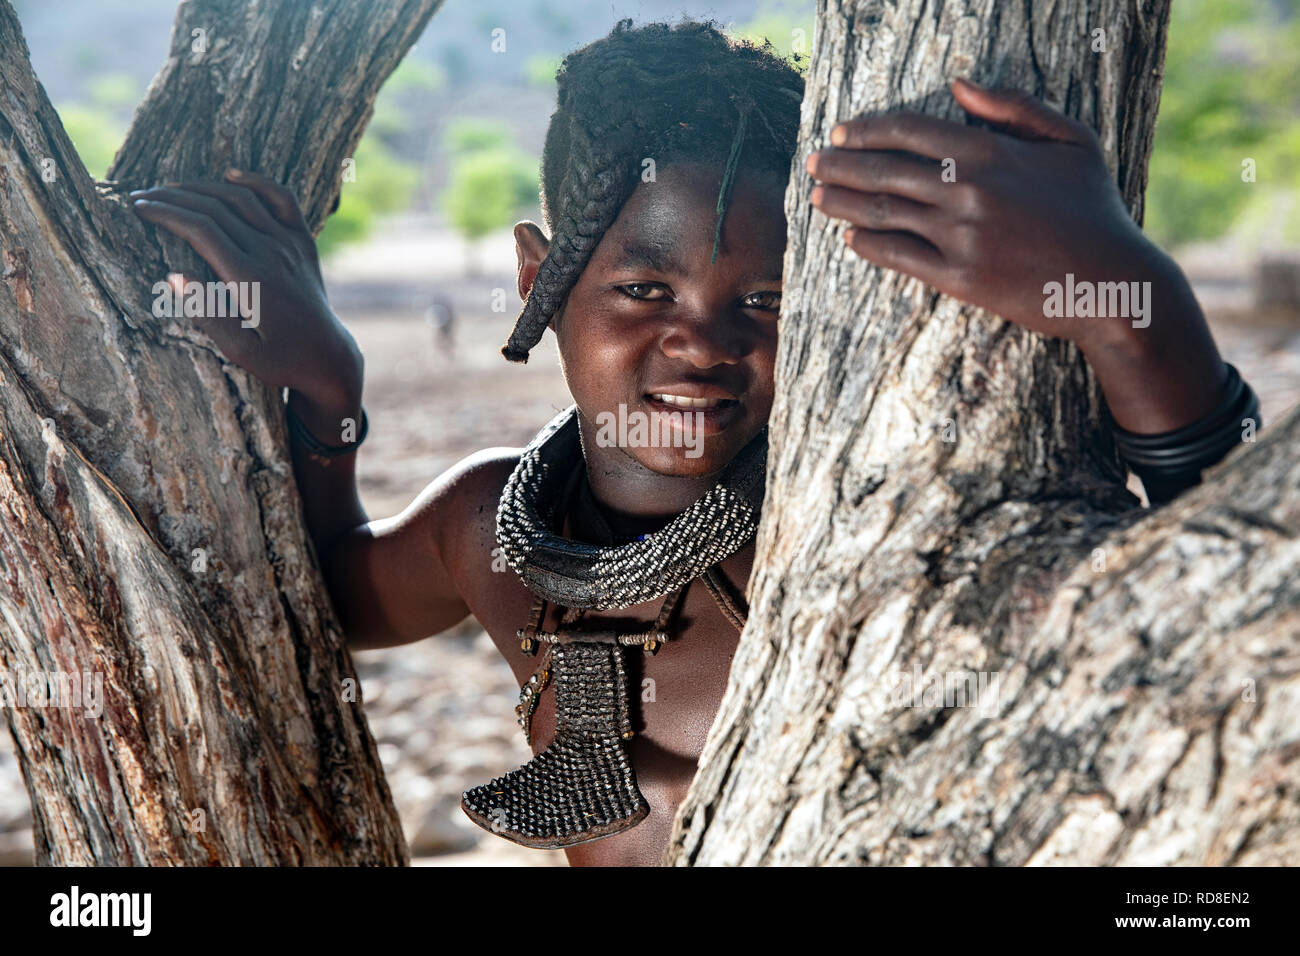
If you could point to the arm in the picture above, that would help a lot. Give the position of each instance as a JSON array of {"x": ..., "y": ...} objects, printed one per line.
[
  {"x": 994, "y": 217},
  {"x": 387, "y": 579}
]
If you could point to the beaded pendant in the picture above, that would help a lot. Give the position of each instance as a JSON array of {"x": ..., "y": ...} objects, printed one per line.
[{"x": 582, "y": 787}]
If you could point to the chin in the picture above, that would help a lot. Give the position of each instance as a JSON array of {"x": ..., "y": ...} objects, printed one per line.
[{"x": 706, "y": 459}]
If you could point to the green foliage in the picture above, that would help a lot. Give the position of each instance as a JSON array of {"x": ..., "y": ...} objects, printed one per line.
[
  {"x": 489, "y": 190},
  {"x": 541, "y": 70},
  {"x": 97, "y": 128},
  {"x": 116, "y": 91},
  {"x": 416, "y": 75},
  {"x": 388, "y": 122},
  {"x": 1231, "y": 94},
  {"x": 95, "y": 134},
  {"x": 788, "y": 25},
  {"x": 383, "y": 184},
  {"x": 492, "y": 182},
  {"x": 464, "y": 135},
  {"x": 413, "y": 82}
]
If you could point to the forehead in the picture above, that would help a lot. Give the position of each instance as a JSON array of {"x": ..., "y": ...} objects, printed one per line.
[{"x": 674, "y": 219}]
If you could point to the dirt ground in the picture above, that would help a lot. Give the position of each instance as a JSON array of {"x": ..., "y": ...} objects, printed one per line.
[{"x": 442, "y": 710}]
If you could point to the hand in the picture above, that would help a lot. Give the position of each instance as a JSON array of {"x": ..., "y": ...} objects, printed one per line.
[
  {"x": 987, "y": 216},
  {"x": 993, "y": 216},
  {"x": 250, "y": 230}
]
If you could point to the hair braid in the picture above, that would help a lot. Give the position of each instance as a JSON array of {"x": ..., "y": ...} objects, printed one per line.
[{"x": 673, "y": 92}]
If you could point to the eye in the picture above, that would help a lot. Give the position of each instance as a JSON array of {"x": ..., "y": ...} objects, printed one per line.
[
  {"x": 769, "y": 301},
  {"x": 644, "y": 291}
]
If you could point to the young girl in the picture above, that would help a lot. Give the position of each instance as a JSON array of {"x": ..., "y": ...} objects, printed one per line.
[{"x": 609, "y": 563}]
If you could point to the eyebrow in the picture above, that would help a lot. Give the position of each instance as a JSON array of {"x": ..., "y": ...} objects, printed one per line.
[
  {"x": 662, "y": 257},
  {"x": 644, "y": 254}
]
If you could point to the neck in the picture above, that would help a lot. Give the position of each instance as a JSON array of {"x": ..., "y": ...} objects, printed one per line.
[{"x": 633, "y": 499}]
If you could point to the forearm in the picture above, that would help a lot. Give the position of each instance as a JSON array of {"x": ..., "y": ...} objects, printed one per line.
[
  {"x": 385, "y": 578},
  {"x": 1163, "y": 376},
  {"x": 331, "y": 412},
  {"x": 1176, "y": 406}
]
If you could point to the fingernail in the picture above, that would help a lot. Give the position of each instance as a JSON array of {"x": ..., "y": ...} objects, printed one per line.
[
  {"x": 137, "y": 192},
  {"x": 838, "y": 135},
  {"x": 848, "y": 235},
  {"x": 810, "y": 163},
  {"x": 236, "y": 173},
  {"x": 816, "y": 196}
]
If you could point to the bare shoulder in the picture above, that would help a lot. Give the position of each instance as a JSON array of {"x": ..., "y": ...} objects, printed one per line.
[
  {"x": 476, "y": 483},
  {"x": 456, "y": 511},
  {"x": 455, "y": 515}
]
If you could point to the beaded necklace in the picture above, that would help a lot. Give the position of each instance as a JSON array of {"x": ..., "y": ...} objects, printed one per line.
[{"x": 577, "y": 574}]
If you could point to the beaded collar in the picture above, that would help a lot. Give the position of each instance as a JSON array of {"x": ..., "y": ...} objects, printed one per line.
[{"x": 576, "y": 574}]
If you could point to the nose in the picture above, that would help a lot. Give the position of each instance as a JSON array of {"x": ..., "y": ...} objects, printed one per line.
[{"x": 707, "y": 340}]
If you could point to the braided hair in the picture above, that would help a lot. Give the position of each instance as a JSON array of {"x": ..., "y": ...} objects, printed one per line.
[{"x": 683, "y": 92}]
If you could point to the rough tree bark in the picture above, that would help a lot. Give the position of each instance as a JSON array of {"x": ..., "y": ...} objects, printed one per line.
[
  {"x": 1146, "y": 661},
  {"x": 150, "y": 530}
]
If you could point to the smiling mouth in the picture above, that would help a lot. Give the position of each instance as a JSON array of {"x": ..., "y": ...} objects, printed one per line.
[
  {"x": 686, "y": 402},
  {"x": 700, "y": 416}
]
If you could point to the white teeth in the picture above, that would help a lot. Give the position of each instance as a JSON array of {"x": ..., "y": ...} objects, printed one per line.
[{"x": 684, "y": 402}]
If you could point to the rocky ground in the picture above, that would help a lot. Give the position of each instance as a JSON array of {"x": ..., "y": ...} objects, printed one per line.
[{"x": 442, "y": 710}]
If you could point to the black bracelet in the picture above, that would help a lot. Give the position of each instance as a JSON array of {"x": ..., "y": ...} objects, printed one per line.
[
  {"x": 317, "y": 447},
  {"x": 1170, "y": 462}
]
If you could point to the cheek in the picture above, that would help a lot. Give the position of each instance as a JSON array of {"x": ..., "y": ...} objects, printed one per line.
[
  {"x": 601, "y": 354},
  {"x": 764, "y": 381}
]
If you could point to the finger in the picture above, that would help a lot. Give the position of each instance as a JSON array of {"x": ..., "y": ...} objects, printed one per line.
[
  {"x": 200, "y": 231},
  {"x": 876, "y": 171},
  {"x": 878, "y": 211},
  {"x": 912, "y": 133},
  {"x": 282, "y": 203},
  {"x": 900, "y": 251},
  {"x": 244, "y": 236},
  {"x": 243, "y": 202},
  {"x": 1018, "y": 113}
]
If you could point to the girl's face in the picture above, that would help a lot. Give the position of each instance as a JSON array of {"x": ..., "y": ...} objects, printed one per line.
[{"x": 655, "y": 335}]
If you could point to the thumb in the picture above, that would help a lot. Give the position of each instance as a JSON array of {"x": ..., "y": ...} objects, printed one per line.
[{"x": 1018, "y": 113}]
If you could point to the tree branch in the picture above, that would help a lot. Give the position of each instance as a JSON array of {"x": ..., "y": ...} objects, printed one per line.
[
  {"x": 887, "y": 552},
  {"x": 178, "y": 461}
]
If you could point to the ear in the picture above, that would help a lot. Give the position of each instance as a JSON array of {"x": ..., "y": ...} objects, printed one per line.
[{"x": 531, "y": 246}]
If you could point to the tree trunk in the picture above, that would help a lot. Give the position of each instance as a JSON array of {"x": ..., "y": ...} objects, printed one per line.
[
  {"x": 1141, "y": 666},
  {"x": 150, "y": 529}
]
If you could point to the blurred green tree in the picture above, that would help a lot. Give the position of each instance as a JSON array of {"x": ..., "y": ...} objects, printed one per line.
[
  {"x": 788, "y": 24},
  {"x": 383, "y": 181},
  {"x": 96, "y": 128},
  {"x": 383, "y": 184},
  {"x": 541, "y": 70},
  {"x": 1229, "y": 113},
  {"x": 492, "y": 181},
  {"x": 95, "y": 133}
]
